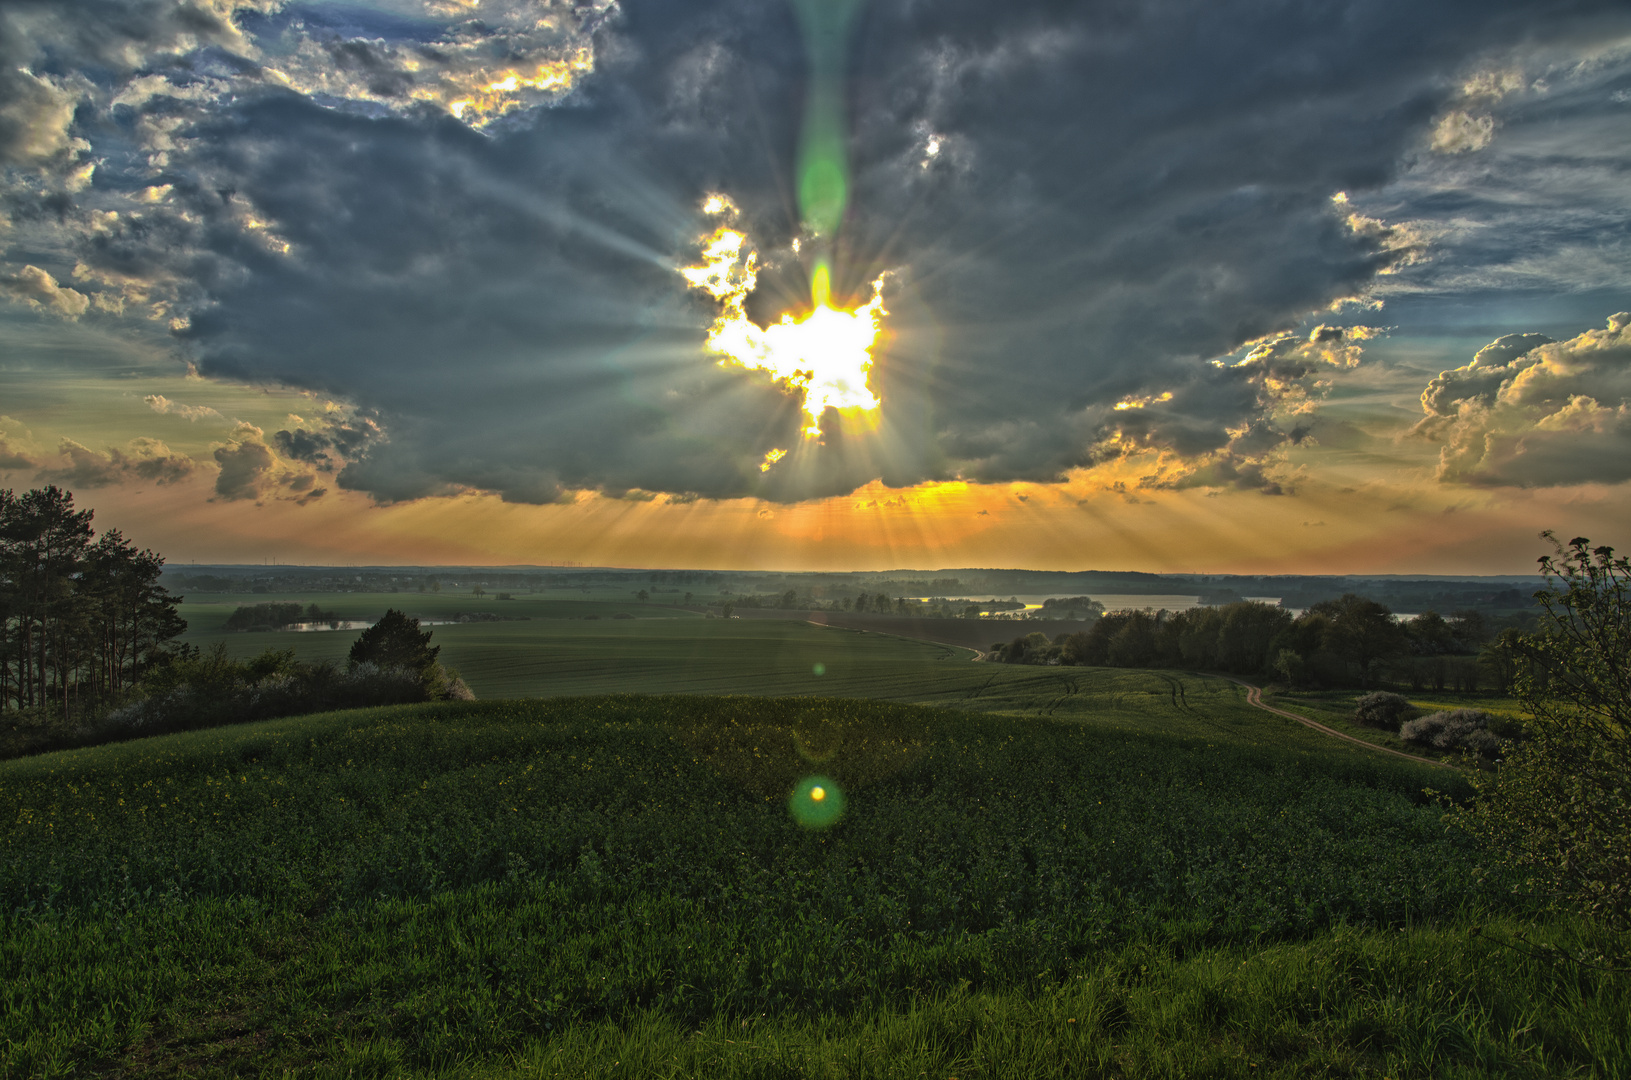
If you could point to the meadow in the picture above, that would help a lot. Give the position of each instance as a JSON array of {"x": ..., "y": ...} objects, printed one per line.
[
  {"x": 559, "y": 650},
  {"x": 1159, "y": 881}
]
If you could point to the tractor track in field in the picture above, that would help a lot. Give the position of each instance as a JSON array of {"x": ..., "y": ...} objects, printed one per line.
[{"x": 1254, "y": 696}]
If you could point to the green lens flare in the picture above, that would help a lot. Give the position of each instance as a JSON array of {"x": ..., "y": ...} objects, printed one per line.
[
  {"x": 823, "y": 187},
  {"x": 819, "y": 669},
  {"x": 816, "y": 802},
  {"x": 821, "y": 283},
  {"x": 823, "y": 165}
]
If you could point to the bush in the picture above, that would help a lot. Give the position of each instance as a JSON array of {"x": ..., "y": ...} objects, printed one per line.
[
  {"x": 1384, "y": 710},
  {"x": 1033, "y": 648},
  {"x": 392, "y": 663},
  {"x": 1466, "y": 730},
  {"x": 214, "y": 691}
]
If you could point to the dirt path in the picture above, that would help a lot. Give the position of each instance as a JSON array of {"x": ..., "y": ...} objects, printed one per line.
[{"x": 1254, "y": 696}]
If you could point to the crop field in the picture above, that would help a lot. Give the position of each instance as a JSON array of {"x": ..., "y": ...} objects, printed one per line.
[
  {"x": 1161, "y": 883},
  {"x": 559, "y": 654},
  {"x": 558, "y": 651}
]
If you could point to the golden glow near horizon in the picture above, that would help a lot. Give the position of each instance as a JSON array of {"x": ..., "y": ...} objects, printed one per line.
[
  {"x": 825, "y": 354},
  {"x": 1357, "y": 524}
]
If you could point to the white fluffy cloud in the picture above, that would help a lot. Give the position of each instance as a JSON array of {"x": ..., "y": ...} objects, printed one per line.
[
  {"x": 39, "y": 289},
  {"x": 163, "y": 405},
  {"x": 1532, "y": 412}
]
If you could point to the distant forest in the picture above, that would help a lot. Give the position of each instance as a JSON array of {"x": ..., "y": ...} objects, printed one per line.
[
  {"x": 1488, "y": 595},
  {"x": 1350, "y": 641}
]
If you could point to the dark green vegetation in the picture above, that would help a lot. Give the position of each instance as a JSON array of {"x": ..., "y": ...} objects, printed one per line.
[
  {"x": 274, "y": 616},
  {"x": 1351, "y": 641},
  {"x": 614, "y": 886},
  {"x": 391, "y": 662},
  {"x": 1561, "y": 805},
  {"x": 81, "y": 619},
  {"x": 213, "y": 690}
]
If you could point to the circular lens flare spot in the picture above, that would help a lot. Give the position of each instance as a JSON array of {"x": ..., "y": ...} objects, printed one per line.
[
  {"x": 819, "y": 669},
  {"x": 816, "y": 802}
]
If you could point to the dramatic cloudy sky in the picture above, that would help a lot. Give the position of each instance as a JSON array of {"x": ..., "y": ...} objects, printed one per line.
[{"x": 1170, "y": 284}]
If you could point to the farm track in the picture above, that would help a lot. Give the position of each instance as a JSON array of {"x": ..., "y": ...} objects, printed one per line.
[{"x": 1254, "y": 696}]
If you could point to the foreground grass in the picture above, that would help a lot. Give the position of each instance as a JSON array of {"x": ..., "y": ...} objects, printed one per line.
[{"x": 613, "y": 886}]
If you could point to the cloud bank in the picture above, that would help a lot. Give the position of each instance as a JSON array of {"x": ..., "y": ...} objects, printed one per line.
[{"x": 1099, "y": 223}]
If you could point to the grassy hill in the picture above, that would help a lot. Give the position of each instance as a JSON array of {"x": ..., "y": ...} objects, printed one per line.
[{"x": 1161, "y": 883}]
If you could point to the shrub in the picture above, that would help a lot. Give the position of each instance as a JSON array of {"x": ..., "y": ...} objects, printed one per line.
[
  {"x": 1384, "y": 710},
  {"x": 220, "y": 692},
  {"x": 1033, "y": 648},
  {"x": 1466, "y": 730}
]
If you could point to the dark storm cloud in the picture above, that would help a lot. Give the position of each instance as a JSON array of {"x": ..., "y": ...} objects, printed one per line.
[
  {"x": 322, "y": 446},
  {"x": 1081, "y": 205},
  {"x": 1219, "y": 429}
]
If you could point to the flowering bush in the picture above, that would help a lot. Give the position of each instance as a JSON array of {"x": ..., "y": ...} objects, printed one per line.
[{"x": 1466, "y": 730}]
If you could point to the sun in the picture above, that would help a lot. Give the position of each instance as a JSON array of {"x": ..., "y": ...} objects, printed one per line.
[{"x": 825, "y": 353}]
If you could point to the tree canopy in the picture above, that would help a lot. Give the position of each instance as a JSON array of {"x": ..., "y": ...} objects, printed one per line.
[
  {"x": 395, "y": 642},
  {"x": 82, "y": 617},
  {"x": 1560, "y": 804}
]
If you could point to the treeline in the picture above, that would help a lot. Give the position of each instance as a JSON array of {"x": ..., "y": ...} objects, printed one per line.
[
  {"x": 309, "y": 579},
  {"x": 82, "y": 618},
  {"x": 1072, "y": 607},
  {"x": 88, "y": 651},
  {"x": 275, "y": 616},
  {"x": 1351, "y": 641},
  {"x": 390, "y": 663},
  {"x": 937, "y": 607}
]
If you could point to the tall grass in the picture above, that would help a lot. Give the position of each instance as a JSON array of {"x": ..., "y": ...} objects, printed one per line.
[{"x": 544, "y": 887}]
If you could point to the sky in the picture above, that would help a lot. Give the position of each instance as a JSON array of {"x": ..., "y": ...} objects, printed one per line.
[{"x": 1218, "y": 286}]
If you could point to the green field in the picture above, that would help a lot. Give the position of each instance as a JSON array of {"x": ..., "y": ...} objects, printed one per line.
[
  {"x": 558, "y": 652},
  {"x": 1158, "y": 884}
]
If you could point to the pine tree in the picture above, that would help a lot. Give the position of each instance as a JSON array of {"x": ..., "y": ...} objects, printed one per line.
[{"x": 395, "y": 641}]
